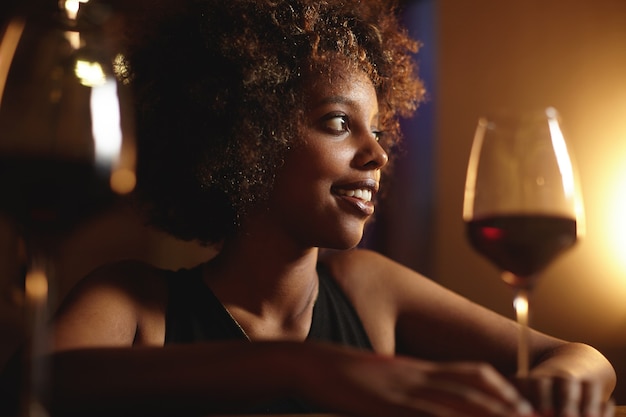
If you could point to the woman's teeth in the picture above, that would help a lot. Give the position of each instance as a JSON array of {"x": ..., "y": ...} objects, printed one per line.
[{"x": 361, "y": 194}]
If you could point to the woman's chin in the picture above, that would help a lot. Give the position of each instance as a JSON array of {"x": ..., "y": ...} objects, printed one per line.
[{"x": 347, "y": 242}]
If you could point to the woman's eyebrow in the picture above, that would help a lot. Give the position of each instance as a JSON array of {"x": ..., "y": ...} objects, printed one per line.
[{"x": 340, "y": 99}]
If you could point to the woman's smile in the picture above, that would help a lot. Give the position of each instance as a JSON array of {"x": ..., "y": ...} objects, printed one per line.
[{"x": 358, "y": 196}]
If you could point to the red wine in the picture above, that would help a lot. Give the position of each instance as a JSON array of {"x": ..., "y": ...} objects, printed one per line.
[
  {"x": 47, "y": 196},
  {"x": 521, "y": 244}
]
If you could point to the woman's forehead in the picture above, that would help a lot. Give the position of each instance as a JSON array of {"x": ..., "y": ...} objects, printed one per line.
[
  {"x": 352, "y": 91},
  {"x": 321, "y": 86}
]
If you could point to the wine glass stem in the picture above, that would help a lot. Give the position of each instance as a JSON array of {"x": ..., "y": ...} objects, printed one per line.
[
  {"x": 36, "y": 304},
  {"x": 521, "y": 311}
]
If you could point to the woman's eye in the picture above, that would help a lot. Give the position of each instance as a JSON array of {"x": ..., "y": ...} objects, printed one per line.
[
  {"x": 337, "y": 123},
  {"x": 378, "y": 134}
]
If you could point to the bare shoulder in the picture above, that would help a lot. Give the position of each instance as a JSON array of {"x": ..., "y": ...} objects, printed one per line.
[
  {"x": 363, "y": 267},
  {"x": 363, "y": 273},
  {"x": 122, "y": 303},
  {"x": 131, "y": 279},
  {"x": 369, "y": 272}
]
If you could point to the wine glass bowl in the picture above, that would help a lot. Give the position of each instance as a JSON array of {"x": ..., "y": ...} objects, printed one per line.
[
  {"x": 66, "y": 122},
  {"x": 522, "y": 206}
]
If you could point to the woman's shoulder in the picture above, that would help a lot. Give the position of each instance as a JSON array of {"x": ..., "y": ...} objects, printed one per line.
[
  {"x": 364, "y": 265},
  {"x": 130, "y": 282},
  {"x": 121, "y": 303},
  {"x": 127, "y": 273},
  {"x": 363, "y": 273}
]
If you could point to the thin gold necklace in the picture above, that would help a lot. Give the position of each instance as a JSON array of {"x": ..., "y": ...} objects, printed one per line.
[{"x": 313, "y": 298}]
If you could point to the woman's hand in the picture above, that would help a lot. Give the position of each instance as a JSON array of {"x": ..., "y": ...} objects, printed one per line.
[
  {"x": 564, "y": 396},
  {"x": 362, "y": 384},
  {"x": 571, "y": 380}
]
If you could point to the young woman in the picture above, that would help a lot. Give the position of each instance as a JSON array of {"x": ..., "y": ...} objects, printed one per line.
[{"x": 265, "y": 126}]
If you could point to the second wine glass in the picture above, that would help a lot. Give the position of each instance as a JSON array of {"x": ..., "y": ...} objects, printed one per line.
[
  {"x": 66, "y": 149},
  {"x": 522, "y": 205}
]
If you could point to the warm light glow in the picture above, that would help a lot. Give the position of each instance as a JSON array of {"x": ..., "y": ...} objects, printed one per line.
[
  {"x": 73, "y": 38},
  {"x": 521, "y": 307},
  {"x": 520, "y": 303},
  {"x": 36, "y": 286},
  {"x": 89, "y": 73},
  {"x": 106, "y": 128},
  {"x": 71, "y": 8},
  {"x": 612, "y": 220},
  {"x": 11, "y": 38},
  {"x": 123, "y": 180}
]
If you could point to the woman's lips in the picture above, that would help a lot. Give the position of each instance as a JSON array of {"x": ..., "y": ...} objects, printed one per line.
[{"x": 358, "y": 196}]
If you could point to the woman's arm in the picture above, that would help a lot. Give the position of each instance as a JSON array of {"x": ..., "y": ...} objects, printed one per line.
[
  {"x": 435, "y": 324},
  {"x": 194, "y": 379},
  {"x": 201, "y": 379}
]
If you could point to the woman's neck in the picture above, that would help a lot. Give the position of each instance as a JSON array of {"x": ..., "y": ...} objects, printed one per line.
[{"x": 265, "y": 284}]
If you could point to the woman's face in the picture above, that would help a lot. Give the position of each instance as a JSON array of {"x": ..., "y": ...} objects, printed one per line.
[{"x": 323, "y": 194}]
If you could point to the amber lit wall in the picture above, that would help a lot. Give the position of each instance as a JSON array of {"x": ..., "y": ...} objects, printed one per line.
[{"x": 570, "y": 54}]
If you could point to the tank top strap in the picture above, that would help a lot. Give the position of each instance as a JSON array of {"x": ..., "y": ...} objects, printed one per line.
[
  {"x": 194, "y": 313},
  {"x": 334, "y": 317}
]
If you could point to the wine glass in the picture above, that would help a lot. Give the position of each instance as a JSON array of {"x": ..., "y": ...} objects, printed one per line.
[
  {"x": 66, "y": 143},
  {"x": 522, "y": 205}
]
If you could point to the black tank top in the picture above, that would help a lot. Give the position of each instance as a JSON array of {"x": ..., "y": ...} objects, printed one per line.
[{"x": 194, "y": 314}]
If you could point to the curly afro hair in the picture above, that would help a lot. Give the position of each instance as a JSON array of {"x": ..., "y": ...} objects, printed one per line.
[{"x": 218, "y": 89}]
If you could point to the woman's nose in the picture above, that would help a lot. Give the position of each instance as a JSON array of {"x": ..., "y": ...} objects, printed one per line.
[{"x": 371, "y": 155}]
